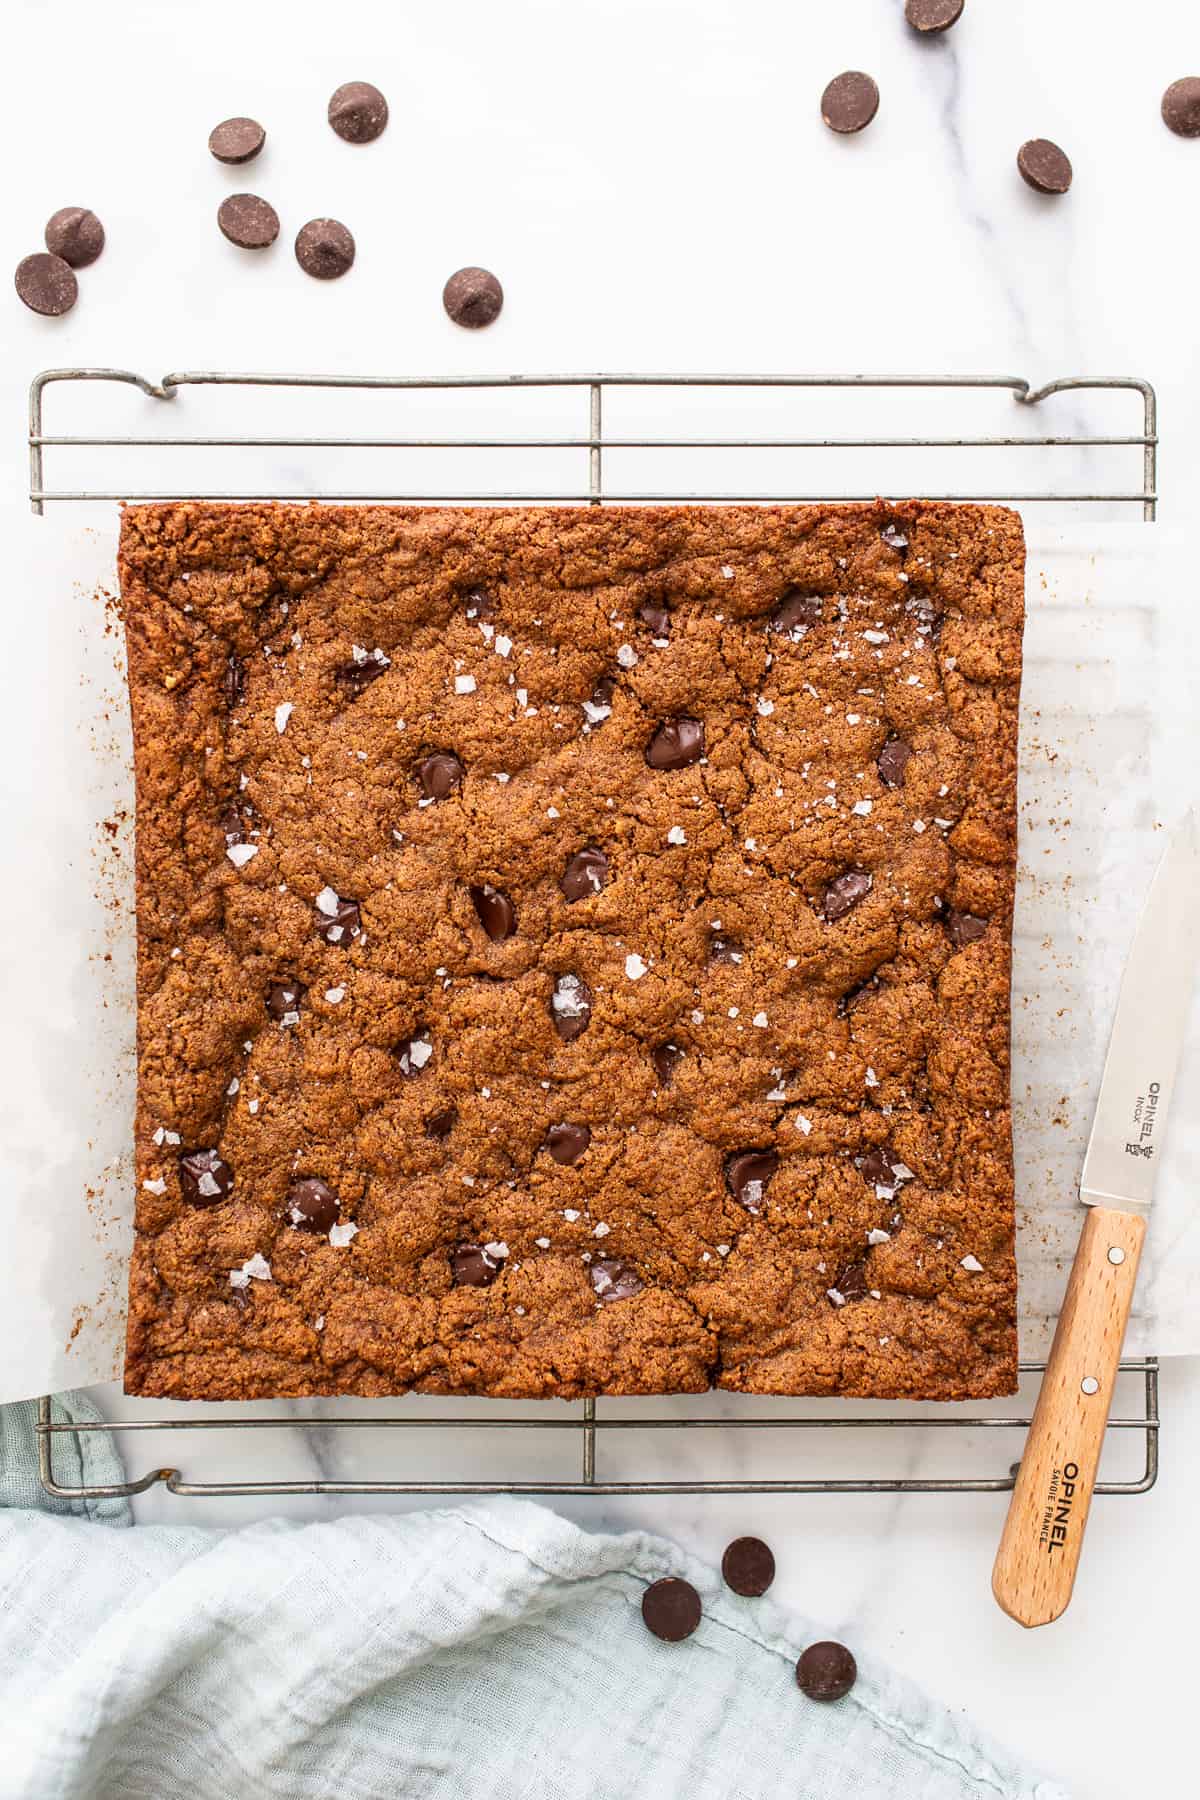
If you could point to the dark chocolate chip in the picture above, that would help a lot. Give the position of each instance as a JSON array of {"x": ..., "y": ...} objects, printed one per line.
[
  {"x": 236, "y": 140},
  {"x": 748, "y": 1566},
  {"x": 884, "y": 1169},
  {"x": 567, "y": 1143},
  {"x": 933, "y": 15},
  {"x": 850, "y": 101},
  {"x": 338, "y": 920},
  {"x": 604, "y": 690},
  {"x": 895, "y": 538},
  {"x": 415, "y": 1054},
  {"x": 324, "y": 249},
  {"x": 853, "y": 1283},
  {"x": 248, "y": 221},
  {"x": 495, "y": 912},
  {"x": 471, "y": 1266},
  {"x": 892, "y": 761},
  {"x": 664, "y": 1059},
  {"x": 585, "y": 874},
  {"x": 75, "y": 234},
  {"x": 657, "y": 618},
  {"x": 235, "y": 681},
  {"x": 439, "y": 1125},
  {"x": 473, "y": 298},
  {"x": 747, "y": 1174},
  {"x": 725, "y": 950},
  {"x": 440, "y": 774},
  {"x": 676, "y": 744},
  {"x": 364, "y": 667},
  {"x": 614, "y": 1280},
  {"x": 311, "y": 1206},
  {"x": 571, "y": 1006},
  {"x": 205, "y": 1177},
  {"x": 826, "y": 1671},
  {"x": 964, "y": 927},
  {"x": 1044, "y": 166},
  {"x": 795, "y": 613},
  {"x": 358, "y": 112},
  {"x": 46, "y": 284},
  {"x": 233, "y": 827},
  {"x": 843, "y": 894},
  {"x": 477, "y": 604},
  {"x": 283, "y": 1002},
  {"x": 1181, "y": 107},
  {"x": 671, "y": 1609}
]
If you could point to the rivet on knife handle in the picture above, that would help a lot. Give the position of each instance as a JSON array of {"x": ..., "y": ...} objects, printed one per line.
[{"x": 1040, "y": 1546}]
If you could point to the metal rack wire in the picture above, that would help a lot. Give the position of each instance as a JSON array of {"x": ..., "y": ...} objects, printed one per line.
[{"x": 596, "y": 394}]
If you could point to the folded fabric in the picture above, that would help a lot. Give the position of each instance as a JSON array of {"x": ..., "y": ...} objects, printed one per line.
[{"x": 483, "y": 1650}]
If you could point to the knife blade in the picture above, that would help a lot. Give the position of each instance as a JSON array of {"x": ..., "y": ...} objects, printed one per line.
[
  {"x": 1040, "y": 1546},
  {"x": 1125, "y": 1146}
]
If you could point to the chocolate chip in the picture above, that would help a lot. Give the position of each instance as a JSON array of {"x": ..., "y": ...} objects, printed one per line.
[
  {"x": 895, "y": 538},
  {"x": 473, "y": 298},
  {"x": 471, "y": 1266},
  {"x": 337, "y": 919},
  {"x": 664, "y": 1059},
  {"x": 844, "y": 894},
  {"x": 232, "y": 827},
  {"x": 725, "y": 950},
  {"x": 46, "y": 284},
  {"x": 1181, "y": 107},
  {"x": 567, "y": 1143},
  {"x": 671, "y": 1609},
  {"x": 324, "y": 249},
  {"x": 675, "y": 744},
  {"x": 205, "y": 1177},
  {"x": 850, "y": 101},
  {"x": 236, "y": 140},
  {"x": 584, "y": 875},
  {"x": 657, "y": 618},
  {"x": 747, "y": 1174},
  {"x": 414, "y": 1054},
  {"x": 614, "y": 1280},
  {"x": 477, "y": 604},
  {"x": 495, "y": 912},
  {"x": 440, "y": 774},
  {"x": 826, "y": 1671},
  {"x": 235, "y": 681},
  {"x": 892, "y": 761},
  {"x": 439, "y": 1125},
  {"x": 882, "y": 1168},
  {"x": 933, "y": 15},
  {"x": 248, "y": 221},
  {"x": 1044, "y": 166},
  {"x": 748, "y": 1566},
  {"x": 570, "y": 1006},
  {"x": 311, "y": 1206},
  {"x": 75, "y": 234},
  {"x": 283, "y": 1002},
  {"x": 795, "y": 613},
  {"x": 852, "y": 1283},
  {"x": 364, "y": 667},
  {"x": 964, "y": 927},
  {"x": 358, "y": 112},
  {"x": 604, "y": 690}
]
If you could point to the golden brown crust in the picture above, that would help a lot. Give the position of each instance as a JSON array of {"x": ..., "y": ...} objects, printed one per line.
[{"x": 885, "y": 1027}]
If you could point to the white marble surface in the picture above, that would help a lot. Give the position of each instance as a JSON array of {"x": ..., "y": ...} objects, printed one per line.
[{"x": 655, "y": 188}]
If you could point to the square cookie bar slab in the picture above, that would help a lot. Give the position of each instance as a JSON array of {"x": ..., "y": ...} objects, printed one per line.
[{"x": 573, "y": 949}]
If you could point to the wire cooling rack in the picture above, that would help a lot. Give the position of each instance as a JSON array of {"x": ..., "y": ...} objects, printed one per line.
[{"x": 551, "y": 430}]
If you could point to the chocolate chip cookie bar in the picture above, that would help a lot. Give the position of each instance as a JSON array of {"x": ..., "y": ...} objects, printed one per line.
[{"x": 573, "y": 949}]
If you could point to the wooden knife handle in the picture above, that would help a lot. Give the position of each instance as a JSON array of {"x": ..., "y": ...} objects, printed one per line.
[{"x": 1043, "y": 1533}]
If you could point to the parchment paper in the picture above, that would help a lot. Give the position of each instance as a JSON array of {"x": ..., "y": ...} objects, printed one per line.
[{"x": 1108, "y": 762}]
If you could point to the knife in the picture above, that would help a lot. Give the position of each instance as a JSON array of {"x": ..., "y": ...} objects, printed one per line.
[{"x": 1039, "y": 1549}]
